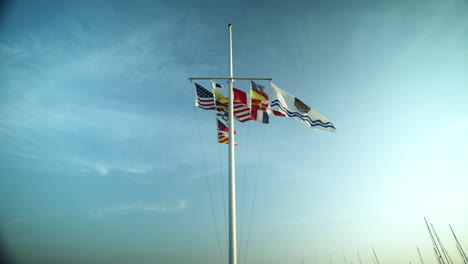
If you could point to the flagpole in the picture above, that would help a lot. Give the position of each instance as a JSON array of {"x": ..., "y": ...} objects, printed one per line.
[{"x": 232, "y": 175}]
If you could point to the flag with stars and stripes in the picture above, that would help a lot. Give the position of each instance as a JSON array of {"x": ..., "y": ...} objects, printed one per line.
[
  {"x": 241, "y": 110},
  {"x": 204, "y": 98}
]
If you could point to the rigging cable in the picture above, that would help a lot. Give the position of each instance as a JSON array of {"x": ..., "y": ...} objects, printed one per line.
[
  {"x": 255, "y": 193},
  {"x": 209, "y": 188},
  {"x": 243, "y": 191}
]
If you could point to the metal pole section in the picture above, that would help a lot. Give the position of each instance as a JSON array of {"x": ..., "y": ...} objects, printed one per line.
[
  {"x": 359, "y": 257},
  {"x": 446, "y": 254},
  {"x": 436, "y": 248},
  {"x": 232, "y": 171},
  {"x": 462, "y": 253},
  {"x": 344, "y": 257},
  {"x": 420, "y": 257},
  {"x": 376, "y": 259},
  {"x": 229, "y": 78}
]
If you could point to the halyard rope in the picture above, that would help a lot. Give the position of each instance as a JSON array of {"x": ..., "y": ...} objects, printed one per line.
[{"x": 209, "y": 188}]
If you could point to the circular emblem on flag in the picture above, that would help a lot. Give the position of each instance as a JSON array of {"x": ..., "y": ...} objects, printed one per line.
[{"x": 301, "y": 106}]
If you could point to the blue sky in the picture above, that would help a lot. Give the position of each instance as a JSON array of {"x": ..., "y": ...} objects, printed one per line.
[{"x": 101, "y": 158}]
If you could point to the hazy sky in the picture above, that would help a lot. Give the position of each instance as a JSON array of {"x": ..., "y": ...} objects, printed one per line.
[{"x": 102, "y": 161}]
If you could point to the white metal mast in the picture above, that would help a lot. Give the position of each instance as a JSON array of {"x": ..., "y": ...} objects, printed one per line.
[
  {"x": 232, "y": 172},
  {"x": 232, "y": 165}
]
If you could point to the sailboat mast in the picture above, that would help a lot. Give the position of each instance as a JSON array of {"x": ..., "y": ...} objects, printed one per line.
[
  {"x": 376, "y": 259},
  {"x": 440, "y": 260},
  {"x": 446, "y": 255},
  {"x": 344, "y": 257},
  {"x": 232, "y": 171},
  {"x": 420, "y": 257},
  {"x": 459, "y": 247}
]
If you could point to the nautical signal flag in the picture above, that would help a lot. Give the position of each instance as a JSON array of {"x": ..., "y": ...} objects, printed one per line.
[
  {"x": 292, "y": 107},
  {"x": 216, "y": 86},
  {"x": 241, "y": 110},
  {"x": 223, "y": 127},
  {"x": 204, "y": 98},
  {"x": 258, "y": 103},
  {"x": 257, "y": 87},
  {"x": 221, "y": 101},
  {"x": 258, "y": 99},
  {"x": 223, "y": 138},
  {"x": 222, "y": 114}
]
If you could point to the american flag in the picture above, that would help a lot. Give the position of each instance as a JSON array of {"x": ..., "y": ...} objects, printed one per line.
[
  {"x": 241, "y": 110},
  {"x": 205, "y": 99}
]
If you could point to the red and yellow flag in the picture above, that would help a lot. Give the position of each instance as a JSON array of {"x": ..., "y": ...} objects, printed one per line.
[
  {"x": 223, "y": 138},
  {"x": 259, "y": 100}
]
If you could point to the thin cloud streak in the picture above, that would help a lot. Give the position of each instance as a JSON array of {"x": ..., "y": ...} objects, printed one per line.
[{"x": 138, "y": 207}]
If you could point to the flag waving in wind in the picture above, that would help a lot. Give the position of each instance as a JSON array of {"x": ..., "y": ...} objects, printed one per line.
[
  {"x": 292, "y": 107},
  {"x": 204, "y": 98},
  {"x": 258, "y": 103},
  {"x": 223, "y": 138},
  {"x": 241, "y": 110},
  {"x": 223, "y": 127},
  {"x": 216, "y": 86}
]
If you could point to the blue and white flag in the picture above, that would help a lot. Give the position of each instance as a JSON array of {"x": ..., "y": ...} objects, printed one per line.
[{"x": 292, "y": 107}]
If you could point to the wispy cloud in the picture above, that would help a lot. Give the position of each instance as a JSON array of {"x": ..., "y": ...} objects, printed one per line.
[
  {"x": 139, "y": 206},
  {"x": 33, "y": 219},
  {"x": 72, "y": 95}
]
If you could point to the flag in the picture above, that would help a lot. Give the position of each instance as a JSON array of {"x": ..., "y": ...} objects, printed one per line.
[
  {"x": 260, "y": 116},
  {"x": 223, "y": 127},
  {"x": 258, "y": 99},
  {"x": 204, "y": 98},
  {"x": 216, "y": 86},
  {"x": 241, "y": 110},
  {"x": 221, "y": 106},
  {"x": 223, "y": 138},
  {"x": 258, "y": 103},
  {"x": 257, "y": 87},
  {"x": 221, "y": 101},
  {"x": 222, "y": 114},
  {"x": 292, "y": 107}
]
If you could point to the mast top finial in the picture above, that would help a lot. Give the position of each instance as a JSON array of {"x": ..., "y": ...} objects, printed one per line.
[{"x": 229, "y": 25}]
